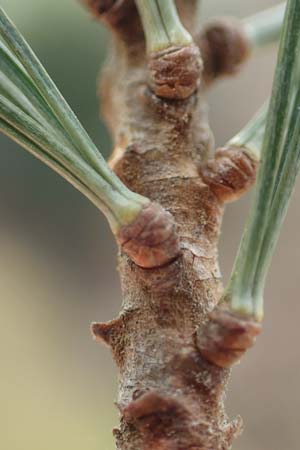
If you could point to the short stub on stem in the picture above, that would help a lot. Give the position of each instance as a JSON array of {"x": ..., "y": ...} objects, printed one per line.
[
  {"x": 227, "y": 336},
  {"x": 150, "y": 240}
]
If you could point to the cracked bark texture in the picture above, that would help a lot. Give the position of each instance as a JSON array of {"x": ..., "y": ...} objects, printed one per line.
[{"x": 170, "y": 396}]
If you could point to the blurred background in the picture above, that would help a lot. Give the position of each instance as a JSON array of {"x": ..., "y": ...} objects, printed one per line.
[{"x": 57, "y": 264}]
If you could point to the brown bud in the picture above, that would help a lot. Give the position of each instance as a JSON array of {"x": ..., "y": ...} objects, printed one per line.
[
  {"x": 175, "y": 72},
  {"x": 230, "y": 174},
  {"x": 226, "y": 337},
  {"x": 151, "y": 240},
  {"x": 224, "y": 47}
]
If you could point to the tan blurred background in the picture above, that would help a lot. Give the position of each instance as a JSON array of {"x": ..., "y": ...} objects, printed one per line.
[{"x": 57, "y": 265}]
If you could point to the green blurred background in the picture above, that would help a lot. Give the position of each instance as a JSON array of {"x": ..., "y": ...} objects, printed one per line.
[{"x": 57, "y": 264}]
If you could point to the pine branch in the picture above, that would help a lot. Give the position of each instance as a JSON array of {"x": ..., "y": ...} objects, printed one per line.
[
  {"x": 278, "y": 170},
  {"x": 56, "y": 102},
  {"x": 235, "y": 323},
  {"x": 34, "y": 114}
]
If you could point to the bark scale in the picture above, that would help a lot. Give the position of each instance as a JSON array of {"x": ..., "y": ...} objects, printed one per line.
[{"x": 171, "y": 387}]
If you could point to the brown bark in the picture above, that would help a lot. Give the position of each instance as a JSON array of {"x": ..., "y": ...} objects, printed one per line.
[{"x": 170, "y": 396}]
